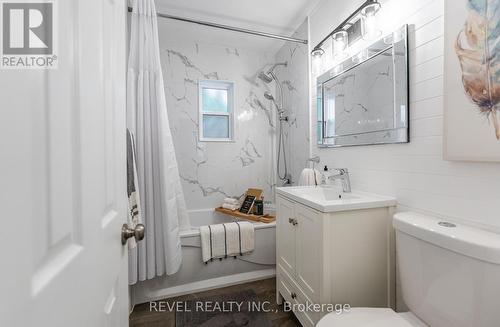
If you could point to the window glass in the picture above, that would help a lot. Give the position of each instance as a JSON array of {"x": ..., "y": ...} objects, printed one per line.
[
  {"x": 216, "y": 111},
  {"x": 215, "y": 126},
  {"x": 214, "y": 100}
]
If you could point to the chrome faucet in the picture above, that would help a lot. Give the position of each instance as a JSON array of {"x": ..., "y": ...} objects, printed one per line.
[{"x": 343, "y": 175}]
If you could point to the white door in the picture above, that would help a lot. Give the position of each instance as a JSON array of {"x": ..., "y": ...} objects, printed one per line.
[{"x": 63, "y": 177}]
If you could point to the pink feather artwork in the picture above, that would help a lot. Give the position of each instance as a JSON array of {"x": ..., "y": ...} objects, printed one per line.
[{"x": 477, "y": 47}]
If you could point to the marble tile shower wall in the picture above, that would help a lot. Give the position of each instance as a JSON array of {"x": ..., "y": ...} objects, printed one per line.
[
  {"x": 211, "y": 171},
  {"x": 295, "y": 82}
]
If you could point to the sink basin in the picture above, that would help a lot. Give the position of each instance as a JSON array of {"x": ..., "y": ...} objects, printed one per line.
[
  {"x": 323, "y": 193},
  {"x": 332, "y": 199}
]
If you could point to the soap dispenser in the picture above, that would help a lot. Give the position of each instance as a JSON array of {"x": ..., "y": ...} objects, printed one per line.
[{"x": 324, "y": 176}]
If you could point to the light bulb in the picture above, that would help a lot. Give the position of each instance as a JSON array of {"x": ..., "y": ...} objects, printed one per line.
[
  {"x": 339, "y": 44},
  {"x": 316, "y": 65},
  {"x": 370, "y": 31},
  {"x": 370, "y": 28},
  {"x": 317, "y": 60}
]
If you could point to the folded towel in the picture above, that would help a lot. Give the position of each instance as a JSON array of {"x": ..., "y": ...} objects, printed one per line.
[
  {"x": 247, "y": 236},
  {"x": 310, "y": 177},
  {"x": 232, "y": 201},
  {"x": 230, "y": 206},
  {"x": 226, "y": 240}
]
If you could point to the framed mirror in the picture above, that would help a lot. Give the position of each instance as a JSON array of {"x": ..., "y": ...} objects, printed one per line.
[{"x": 364, "y": 100}]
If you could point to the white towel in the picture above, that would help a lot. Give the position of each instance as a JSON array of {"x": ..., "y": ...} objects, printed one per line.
[
  {"x": 232, "y": 201},
  {"x": 247, "y": 236},
  {"x": 227, "y": 240},
  {"x": 230, "y": 206},
  {"x": 310, "y": 177}
]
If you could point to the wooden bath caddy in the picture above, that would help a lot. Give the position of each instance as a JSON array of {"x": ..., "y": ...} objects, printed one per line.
[{"x": 264, "y": 219}]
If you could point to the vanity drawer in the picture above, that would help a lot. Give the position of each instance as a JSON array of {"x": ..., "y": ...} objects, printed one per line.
[{"x": 296, "y": 297}]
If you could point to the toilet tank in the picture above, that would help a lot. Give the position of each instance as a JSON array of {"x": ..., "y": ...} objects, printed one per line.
[{"x": 449, "y": 273}]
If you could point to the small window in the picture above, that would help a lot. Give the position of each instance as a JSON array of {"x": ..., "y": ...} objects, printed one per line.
[{"x": 216, "y": 101}]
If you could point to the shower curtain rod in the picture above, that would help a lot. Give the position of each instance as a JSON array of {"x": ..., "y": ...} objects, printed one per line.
[{"x": 230, "y": 28}]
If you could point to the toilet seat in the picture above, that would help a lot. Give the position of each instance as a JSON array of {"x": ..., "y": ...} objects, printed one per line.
[{"x": 370, "y": 317}]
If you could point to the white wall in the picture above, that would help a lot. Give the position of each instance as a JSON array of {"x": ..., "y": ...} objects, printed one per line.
[
  {"x": 211, "y": 171},
  {"x": 415, "y": 173}
]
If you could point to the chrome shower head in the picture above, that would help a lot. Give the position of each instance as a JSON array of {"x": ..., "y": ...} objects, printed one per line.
[
  {"x": 268, "y": 96},
  {"x": 265, "y": 77}
]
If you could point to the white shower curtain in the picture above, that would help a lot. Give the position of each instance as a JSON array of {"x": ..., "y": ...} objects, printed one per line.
[{"x": 162, "y": 200}]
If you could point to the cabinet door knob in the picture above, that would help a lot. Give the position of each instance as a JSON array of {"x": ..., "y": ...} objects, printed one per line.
[{"x": 293, "y": 221}]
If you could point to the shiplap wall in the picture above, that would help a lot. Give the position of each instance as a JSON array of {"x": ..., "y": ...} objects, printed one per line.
[{"x": 415, "y": 173}]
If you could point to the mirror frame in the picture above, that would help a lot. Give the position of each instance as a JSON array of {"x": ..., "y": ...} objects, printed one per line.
[{"x": 398, "y": 42}]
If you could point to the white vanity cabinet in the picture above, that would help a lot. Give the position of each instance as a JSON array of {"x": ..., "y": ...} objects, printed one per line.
[{"x": 340, "y": 257}]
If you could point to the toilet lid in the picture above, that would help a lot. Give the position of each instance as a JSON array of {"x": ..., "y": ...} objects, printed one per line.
[{"x": 366, "y": 317}]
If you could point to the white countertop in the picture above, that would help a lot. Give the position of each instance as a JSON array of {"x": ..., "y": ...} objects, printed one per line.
[{"x": 332, "y": 199}]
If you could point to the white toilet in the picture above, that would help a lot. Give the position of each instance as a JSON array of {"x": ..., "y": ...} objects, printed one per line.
[{"x": 450, "y": 276}]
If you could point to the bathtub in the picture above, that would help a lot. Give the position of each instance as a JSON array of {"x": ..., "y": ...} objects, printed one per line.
[{"x": 195, "y": 276}]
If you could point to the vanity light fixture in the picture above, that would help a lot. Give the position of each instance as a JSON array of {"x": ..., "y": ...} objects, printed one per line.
[
  {"x": 367, "y": 11},
  {"x": 339, "y": 44},
  {"x": 316, "y": 54},
  {"x": 370, "y": 31}
]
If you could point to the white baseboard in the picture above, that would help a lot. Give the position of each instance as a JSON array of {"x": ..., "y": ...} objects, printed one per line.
[{"x": 206, "y": 285}]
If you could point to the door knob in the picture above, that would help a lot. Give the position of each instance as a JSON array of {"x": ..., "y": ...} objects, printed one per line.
[{"x": 137, "y": 232}]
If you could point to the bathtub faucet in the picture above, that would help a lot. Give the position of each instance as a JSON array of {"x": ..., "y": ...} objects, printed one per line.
[{"x": 287, "y": 181}]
